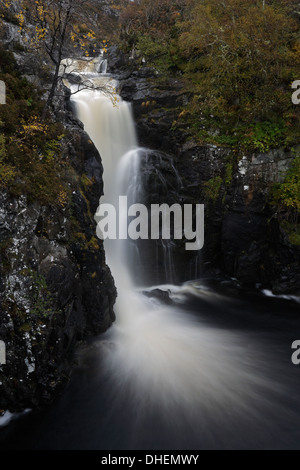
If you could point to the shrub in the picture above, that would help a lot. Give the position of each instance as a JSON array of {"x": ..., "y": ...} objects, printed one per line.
[
  {"x": 286, "y": 195},
  {"x": 31, "y": 156}
]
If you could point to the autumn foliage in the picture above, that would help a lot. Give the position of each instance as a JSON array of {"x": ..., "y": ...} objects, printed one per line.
[
  {"x": 237, "y": 58},
  {"x": 243, "y": 54},
  {"x": 31, "y": 157}
]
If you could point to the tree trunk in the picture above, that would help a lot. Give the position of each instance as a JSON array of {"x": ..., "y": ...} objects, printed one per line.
[
  {"x": 57, "y": 62},
  {"x": 52, "y": 91}
]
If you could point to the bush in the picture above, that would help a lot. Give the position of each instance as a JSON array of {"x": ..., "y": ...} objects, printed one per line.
[
  {"x": 212, "y": 188},
  {"x": 266, "y": 135},
  {"x": 286, "y": 195},
  {"x": 31, "y": 157}
]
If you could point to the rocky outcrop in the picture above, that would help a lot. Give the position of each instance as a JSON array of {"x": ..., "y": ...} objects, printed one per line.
[
  {"x": 55, "y": 287},
  {"x": 254, "y": 246}
]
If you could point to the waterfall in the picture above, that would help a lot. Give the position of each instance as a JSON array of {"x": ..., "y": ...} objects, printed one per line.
[
  {"x": 84, "y": 66},
  {"x": 184, "y": 367},
  {"x": 102, "y": 65},
  {"x": 112, "y": 129},
  {"x": 169, "y": 363}
]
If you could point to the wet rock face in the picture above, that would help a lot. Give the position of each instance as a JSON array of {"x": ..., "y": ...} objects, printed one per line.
[
  {"x": 55, "y": 287},
  {"x": 254, "y": 248},
  {"x": 157, "y": 261},
  {"x": 243, "y": 237}
]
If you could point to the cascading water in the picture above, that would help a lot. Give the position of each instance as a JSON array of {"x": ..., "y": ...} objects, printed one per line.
[
  {"x": 87, "y": 66},
  {"x": 170, "y": 366},
  {"x": 208, "y": 371}
]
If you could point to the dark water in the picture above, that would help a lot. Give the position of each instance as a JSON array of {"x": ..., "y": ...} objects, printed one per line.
[{"x": 241, "y": 391}]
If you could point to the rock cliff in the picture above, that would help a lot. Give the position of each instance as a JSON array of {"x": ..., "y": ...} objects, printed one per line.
[
  {"x": 55, "y": 287},
  {"x": 244, "y": 238}
]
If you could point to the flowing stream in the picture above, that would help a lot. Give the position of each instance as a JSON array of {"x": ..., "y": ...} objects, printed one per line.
[
  {"x": 157, "y": 352},
  {"x": 207, "y": 371}
]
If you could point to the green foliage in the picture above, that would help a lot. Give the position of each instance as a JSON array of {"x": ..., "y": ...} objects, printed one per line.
[
  {"x": 242, "y": 59},
  {"x": 31, "y": 158},
  {"x": 286, "y": 195},
  {"x": 157, "y": 52},
  {"x": 228, "y": 173},
  {"x": 52, "y": 149},
  {"x": 236, "y": 59},
  {"x": 7, "y": 172},
  {"x": 150, "y": 26},
  {"x": 93, "y": 244},
  {"x": 40, "y": 297},
  {"x": 294, "y": 237},
  {"x": 212, "y": 188},
  {"x": 266, "y": 135},
  {"x": 241, "y": 55},
  {"x": 292, "y": 230},
  {"x": 86, "y": 181}
]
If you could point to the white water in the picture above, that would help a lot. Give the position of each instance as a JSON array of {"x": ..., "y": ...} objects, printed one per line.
[
  {"x": 87, "y": 65},
  {"x": 210, "y": 371},
  {"x": 160, "y": 355}
]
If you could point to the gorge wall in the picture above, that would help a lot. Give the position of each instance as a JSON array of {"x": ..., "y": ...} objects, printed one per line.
[
  {"x": 55, "y": 287},
  {"x": 244, "y": 238}
]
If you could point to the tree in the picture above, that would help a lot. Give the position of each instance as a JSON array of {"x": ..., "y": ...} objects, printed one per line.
[
  {"x": 239, "y": 58},
  {"x": 286, "y": 195},
  {"x": 244, "y": 52},
  {"x": 150, "y": 26},
  {"x": 56, "y": 28}
]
